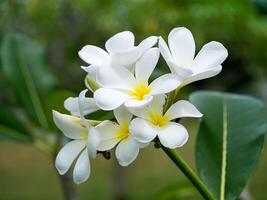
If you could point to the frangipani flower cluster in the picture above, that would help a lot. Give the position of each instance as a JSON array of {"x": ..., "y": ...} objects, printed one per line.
[{"x": 143, "y": 109}]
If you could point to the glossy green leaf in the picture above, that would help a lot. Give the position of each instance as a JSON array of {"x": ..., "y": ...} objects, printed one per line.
[
  {"x": 11, "y": 128},
  {"x": 24, "y": 67},
  {"x": 229, "y": 141}
]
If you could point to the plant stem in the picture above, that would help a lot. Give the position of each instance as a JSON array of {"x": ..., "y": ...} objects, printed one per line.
[
  {"x": 119, "y": 186},
  {"x": 66, "y": 182},
  {"x": 169, "y": 101},
  {"x": 171, "y": 98},
  {"x": 189, "y": 173},
  {"x": 179, "y": 162},
  {"x": 68, "y": 187}
]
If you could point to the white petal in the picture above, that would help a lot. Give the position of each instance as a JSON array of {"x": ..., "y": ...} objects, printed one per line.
[
  {"x": 142, "y": 130},
  {"x": 182, "y": 46},
  {"x": 174, "y": 67},
  {"x": 127, "y": 151},
  {"x": 82, "y": 168},
  {"x": 110, "y": 99},
  {"x": 126, "y": 58},
  {"x": 164, "y": 84},
  {"x": 71, "y": 104},
  {"x": 203, "y": 75},
  {"x": 80, "y": 103},
  {"x": 134, "y": 103},
  {"x": 67, "y": 154},
  {"x": 182, "y": 72},
  {"x": 88, "y": 105},
  {"x": 94, "y": 55},
  {"x": 115, "y": 77},
  {"x": 182, "y": 109},
  {"x": 120, "y": 42},
  {"x": 140, "y": 112},
  {"x": 108, "y": 132},
  {"x": 173, "y": 135},
  {"x": 211, "y": 55},
  {"x": 146, "y": 64},
  {"x": 156, "y": 106},
  {"x": 122, "y": 115},
  {"x": 93, "y": 141},
  {"x": 164, "y": 50},
  {"x": 147, "y": 43},
  {"x": 91, "y": 70},
  {"x": 71, "y": 126}
]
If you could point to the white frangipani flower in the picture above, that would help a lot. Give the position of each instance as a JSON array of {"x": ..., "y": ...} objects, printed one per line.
[
  {"x": 120, "y": 52},
  {"x": 112, "y": 134},
  {"x": 180, "y": 56},
  {"x": 119, "y": 76},
  {"x": 82, "y": 144},
  {"x": 152, "y": 122},
  {"x": 119, "y": 86}
]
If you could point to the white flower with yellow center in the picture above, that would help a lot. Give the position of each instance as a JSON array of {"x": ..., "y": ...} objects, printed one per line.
[
  {"x": 180, "y": 56},
  {"x": 121, "y": 51},
  {"x": 112, "y": 134},
  {"x": 84, "y": 140},
  {"x": 152, "y": 122},
  {"x": 120, "y": 86}
]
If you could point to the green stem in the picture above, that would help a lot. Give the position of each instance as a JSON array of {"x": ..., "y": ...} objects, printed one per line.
[
  {"x": 171, "y": 98},
  {"x": 189, "y": 173},
  {"x": 169, "y": 101}
]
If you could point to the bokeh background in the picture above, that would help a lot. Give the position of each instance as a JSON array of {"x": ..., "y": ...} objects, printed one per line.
[{"x": 48, "y": 35}]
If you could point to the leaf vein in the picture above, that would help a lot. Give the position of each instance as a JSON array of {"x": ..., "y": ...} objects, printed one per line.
[{"x": 224, "y": 151}]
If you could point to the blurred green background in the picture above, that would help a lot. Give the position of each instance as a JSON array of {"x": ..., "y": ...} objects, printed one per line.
[{"x": 47, "y": 36}]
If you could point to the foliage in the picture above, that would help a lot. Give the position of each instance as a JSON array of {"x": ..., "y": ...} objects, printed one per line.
[
  {"x": 24, "y": 68},
  {"x": 29, "y": 117},
  {"x": 230, "y": 140},
  {"x": 36, "y": 35}
]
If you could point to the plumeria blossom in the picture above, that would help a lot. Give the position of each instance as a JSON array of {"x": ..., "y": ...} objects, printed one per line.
[
  {"x": 152, "y": 122},
  {"x": 112, "y": 134},
  {"x": 84, "y": 140},
  {"x": 121, "y": 51},
  {"x": 119, "y": 86},
  {"x": 180, "y": 56},
  {"x": 118, "y": 78}
]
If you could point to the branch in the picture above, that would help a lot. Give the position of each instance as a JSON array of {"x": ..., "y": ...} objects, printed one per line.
[{"x": 189, "y": 173}]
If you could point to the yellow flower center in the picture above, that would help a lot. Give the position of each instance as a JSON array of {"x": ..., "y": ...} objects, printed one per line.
[
  {"x": 123, "y": 132},
  {"x": 158, "y": 120},
  {"x": 140, "y": 91}
]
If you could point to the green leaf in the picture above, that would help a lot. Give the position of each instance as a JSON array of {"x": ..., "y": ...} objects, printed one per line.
[
  {"x": 101, "y": 115},
  {"x": 230, "y": 140},
  {"x": 11, "y": 128},
  {"x": 25, "y": 69}
]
